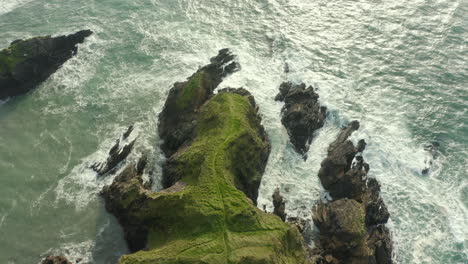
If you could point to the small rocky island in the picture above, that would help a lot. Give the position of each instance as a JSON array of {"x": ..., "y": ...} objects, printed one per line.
[
  {"x": 302, "y": 114},
  {"x": 27, "y": 63}
]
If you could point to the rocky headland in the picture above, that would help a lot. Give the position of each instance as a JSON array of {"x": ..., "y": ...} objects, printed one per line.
[
  {"x": 27, "y": 63},
  {"x": 216, "y": 151}
]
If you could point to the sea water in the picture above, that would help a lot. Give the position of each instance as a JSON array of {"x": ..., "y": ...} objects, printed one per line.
[{"x": 399, "y": 67}]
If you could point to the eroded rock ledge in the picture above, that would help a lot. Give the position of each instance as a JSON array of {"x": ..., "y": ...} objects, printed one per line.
[
  {"x": 27, "y": 63},
  {"x": 215, "y": 162},
  {"x": 302, "y": 114},
  {"x": 352, "y": 225}
]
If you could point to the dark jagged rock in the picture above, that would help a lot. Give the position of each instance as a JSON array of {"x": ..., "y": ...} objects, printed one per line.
[
  {"x": 279, "y": 205},
  {"x": 141, "y": 164},
  {"x": 117, "y": 154},
  {"x": 123, "y": 189},
  {"x": 380, "y": 243},
  {"x": 333, "y": 171},
  {"x": 351, "y": 226},
  {"x": 302, "y": 114},
  {"x": 56, "y": 260},
  {"x": 27, "y": 63},
  {"x": 177, "y": 119},
  {"x": 376, "y": 210}
]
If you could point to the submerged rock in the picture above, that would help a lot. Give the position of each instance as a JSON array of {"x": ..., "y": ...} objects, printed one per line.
[
  {"x": 27, "y": 63},
  {"x": 116, "y": 154},
  {"x": 302, "y": 114},
  {"x": 204, "y": 215},
  {"x": 56, "y": 260},
  {"x": 432, "y": 152}
]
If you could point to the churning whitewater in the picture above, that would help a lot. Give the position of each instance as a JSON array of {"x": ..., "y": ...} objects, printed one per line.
[{"x": 399, "y": 68}]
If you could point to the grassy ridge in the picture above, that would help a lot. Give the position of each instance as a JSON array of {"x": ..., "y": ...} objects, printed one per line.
[{"x": 208, "y": 220}]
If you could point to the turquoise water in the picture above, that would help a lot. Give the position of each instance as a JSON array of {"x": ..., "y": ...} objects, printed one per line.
[{"x": 399, "y": 67}]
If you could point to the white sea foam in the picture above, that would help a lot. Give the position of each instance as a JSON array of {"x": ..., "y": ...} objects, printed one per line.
[
  {"x": 10, "y": 5},
  {"x": 74, "y": 252},
  {"x": 82, "y": 185}
]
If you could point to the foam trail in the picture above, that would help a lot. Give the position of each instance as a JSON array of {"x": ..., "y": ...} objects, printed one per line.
[{"x": 7, "y": 6}]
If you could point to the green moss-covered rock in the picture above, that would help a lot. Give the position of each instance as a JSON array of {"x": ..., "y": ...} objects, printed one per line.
[
  {"x": 204, "y": 218},
  {"x": 27, "y": 63},
  {"x": 178, "y": 117}
]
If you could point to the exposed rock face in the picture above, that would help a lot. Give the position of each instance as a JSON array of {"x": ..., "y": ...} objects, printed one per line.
[
  {"x": 116, "y": 154},
  {"x": 126, "y": 187},
  {"x": 202, "y": 217},
  {"x": 56, "y": 260},
  {"x": 27, "y": 63},
  {"x": 279, "y": 205},
  {"x": 351, "y": 226},
  {"x": 336, "y": 173},
  {"x": 177, "y": 119},
  {"x": 302, "y": 114}
]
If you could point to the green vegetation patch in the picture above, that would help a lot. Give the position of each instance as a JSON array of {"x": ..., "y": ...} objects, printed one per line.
[{"x": 191, "y": 91}]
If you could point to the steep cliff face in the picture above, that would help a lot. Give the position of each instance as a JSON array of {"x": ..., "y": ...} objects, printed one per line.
[
  {"x": 205, "y": 215},
  {"x": 27, "y": 63}
]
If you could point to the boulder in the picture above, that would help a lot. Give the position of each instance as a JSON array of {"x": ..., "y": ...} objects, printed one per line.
[
  {"x": 27, "y": 63},
  {"x": 302, "y": 114}
]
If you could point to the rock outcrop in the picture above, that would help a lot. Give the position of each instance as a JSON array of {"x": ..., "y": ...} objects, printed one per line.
[
  {"x": 177, "y": 119},
  {"x": 204, "y": 215},
  {"x": 27, "y": 63},
  {"x": 302, "y": 114},
  {"x": 279, "y": 205},
  {"x": 117, "y": 154},
  {"x": 352, "y": 225},
  {"x": 56, "y": 260}
]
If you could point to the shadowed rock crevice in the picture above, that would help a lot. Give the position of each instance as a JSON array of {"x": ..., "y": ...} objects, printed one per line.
[
  {"x": 302, "y": 114},
  {"x": 27, "y": 63}
]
